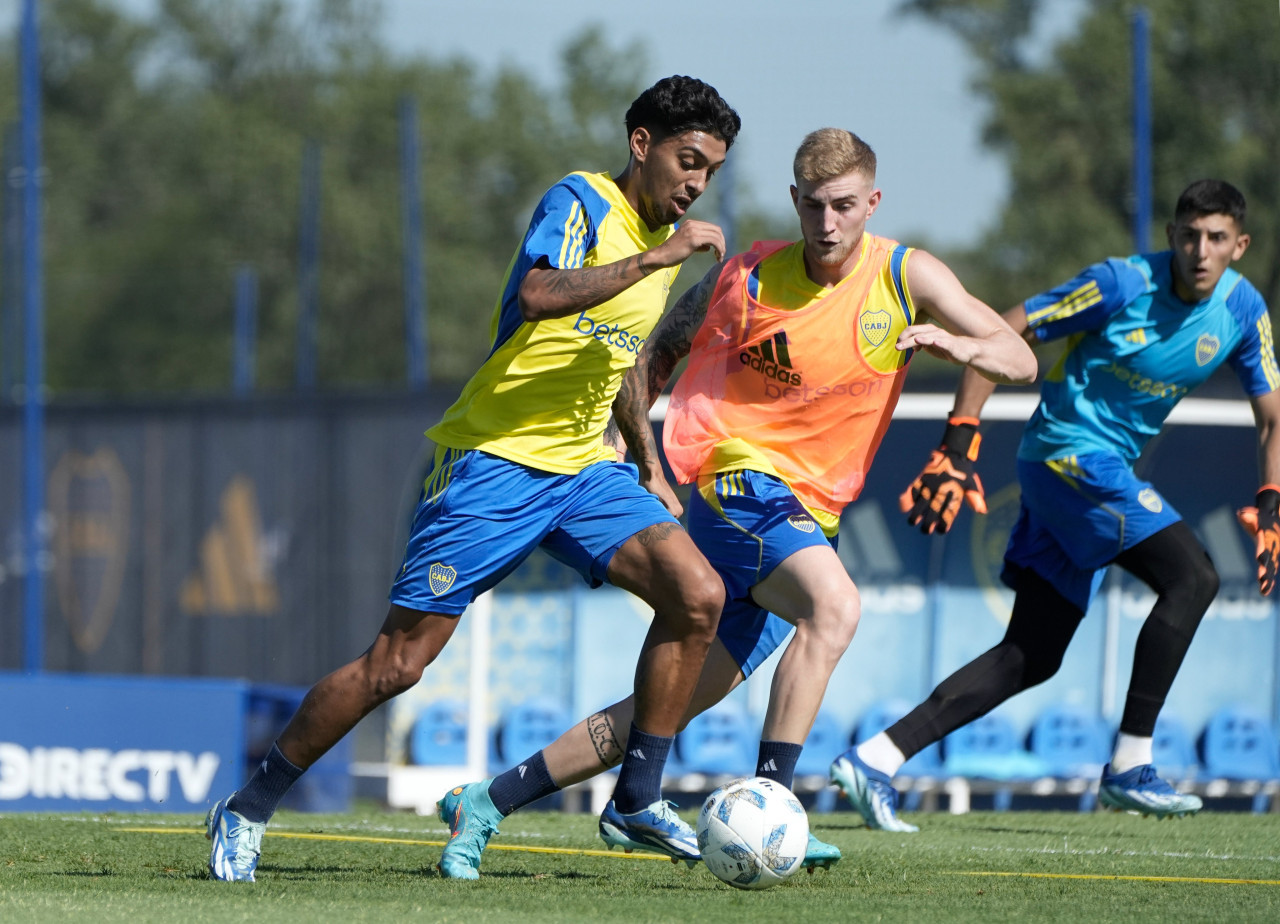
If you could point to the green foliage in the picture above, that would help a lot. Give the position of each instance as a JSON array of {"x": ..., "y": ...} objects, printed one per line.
[
  {"x": 1063, "y": 120},
  {"x": 980, "y": 868},
  {"x": 174, "y": 146}
]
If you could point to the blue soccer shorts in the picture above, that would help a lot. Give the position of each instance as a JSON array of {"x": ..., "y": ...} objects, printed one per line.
[
  {"x": 751, "y": 524},
  {"x": 1078, "y": 513},
  {"x": 480, "y": 516}
]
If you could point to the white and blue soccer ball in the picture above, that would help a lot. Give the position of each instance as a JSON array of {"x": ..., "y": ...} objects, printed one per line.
[{"x": 753, "y": 833}]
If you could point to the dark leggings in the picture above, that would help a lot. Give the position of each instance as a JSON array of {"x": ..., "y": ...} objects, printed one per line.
[{"x": 1172, "y": 563}]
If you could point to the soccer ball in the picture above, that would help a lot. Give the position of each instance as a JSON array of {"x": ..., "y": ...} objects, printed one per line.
[{"x": 753, "y": 833}]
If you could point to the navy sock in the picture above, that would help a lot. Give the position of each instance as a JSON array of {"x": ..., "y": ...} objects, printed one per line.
[
  {"x": 528, "y": 781},
  {"x": 640, "y": 780},
  {"x": 778, "y": 761},
  {"x": 258, "y": 798}
]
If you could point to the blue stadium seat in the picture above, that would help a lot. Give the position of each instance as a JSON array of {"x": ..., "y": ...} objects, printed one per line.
[
  {"x": 1172, "y": 750},
  {"x": 529, "y": 727},
  {"x": 987, "y": 747},
  {"x": 826, "y": 739},
  {"x": 439, "y": 735},
  {"x": 1239, "y": 744},
  {"x": 1071, "y": 741},
  {"x": 719, "y": 741},
  {"x": 879, "y": 716}
]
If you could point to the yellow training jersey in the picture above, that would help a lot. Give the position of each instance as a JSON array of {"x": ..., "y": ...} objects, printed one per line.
[{"x": 542, "y": 397}]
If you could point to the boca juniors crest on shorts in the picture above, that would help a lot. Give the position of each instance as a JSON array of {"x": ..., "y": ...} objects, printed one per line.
[
  {"x": 803, "y": 523},
  {"x": 440, "y": 577}
]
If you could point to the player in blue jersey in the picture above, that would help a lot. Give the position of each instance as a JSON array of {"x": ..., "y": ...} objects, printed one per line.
[
  {"x": 520, "y": 464},
  {"x": 1141, "y": 333}
]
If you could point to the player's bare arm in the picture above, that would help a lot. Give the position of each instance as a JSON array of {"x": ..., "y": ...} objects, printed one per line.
[
  {"x": 1266, "y": 414},
  {"x": 955, "y": 326},
  {"x": 547, "y": 292},
  {"x": 667, "y": 345}
]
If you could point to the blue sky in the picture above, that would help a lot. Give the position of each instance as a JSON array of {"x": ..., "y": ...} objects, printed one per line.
[
  {"x": 788, "y": 68},
  {"x": 897, "y": 81}
]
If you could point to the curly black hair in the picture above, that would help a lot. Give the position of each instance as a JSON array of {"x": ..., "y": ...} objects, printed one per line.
[
  {"x": 1211, "y": 197},
  {"x": 675, "y": 105}
]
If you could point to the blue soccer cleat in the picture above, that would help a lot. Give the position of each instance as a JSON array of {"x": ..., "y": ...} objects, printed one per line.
[
  {"x": 1141, "y": 790},
  {"x": 237, "y": 843},
  {"x": 819, "y": 855},
  {"x": 657, "y": 828},
  {"x": 472, "y": 819},
  {"x": 870, "y": 792}
]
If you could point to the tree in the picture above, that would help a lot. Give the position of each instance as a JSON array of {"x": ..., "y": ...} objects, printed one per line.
[
  {"x": 1062, "y": 120},
  {"x": 174, "y": 145}
]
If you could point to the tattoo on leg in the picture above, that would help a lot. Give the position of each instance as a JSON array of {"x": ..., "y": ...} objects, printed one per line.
[
  {"x": 605, "y": 741},
  {"x": 656, "y": 533}
]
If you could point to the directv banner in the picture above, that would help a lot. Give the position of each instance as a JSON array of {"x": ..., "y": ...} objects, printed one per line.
[{"x": 118, "y": 744}]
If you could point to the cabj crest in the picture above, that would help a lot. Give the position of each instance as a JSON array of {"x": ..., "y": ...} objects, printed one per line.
[
  {"x": 440, "y": 577},
  {"x": 875, "y": 326}
]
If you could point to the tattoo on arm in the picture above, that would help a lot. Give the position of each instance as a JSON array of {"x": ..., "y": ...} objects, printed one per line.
[
  {"x": 667, "y": 345},
  {"x": 589, "y": 286},
  {"x": 673, "y": 337},
  {"x": 604, "y": 740},
  {"x": 631, "y": 416},
  {"x": 611, "y": 432}
]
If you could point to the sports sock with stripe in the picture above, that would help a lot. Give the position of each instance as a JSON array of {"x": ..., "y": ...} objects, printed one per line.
[
  {"x": 777, "y": 761},
  {"x": 528, "y": 781}
]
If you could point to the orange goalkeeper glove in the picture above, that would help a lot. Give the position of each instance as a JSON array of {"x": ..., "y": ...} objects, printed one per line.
[
  {"x": 1263, "y": 524},
  {"x": 935, "y": 497}
]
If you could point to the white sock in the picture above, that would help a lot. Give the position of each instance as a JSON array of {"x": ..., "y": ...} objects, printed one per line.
[
  {"x": 882, "y": 754},
  {"x": 1131, "y": 751}
]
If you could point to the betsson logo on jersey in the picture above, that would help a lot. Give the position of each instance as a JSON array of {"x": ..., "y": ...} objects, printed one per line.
[
  {"x": 1144, "y": 384},
  {"x": 613, "y": 336},
  {"x": 772, "y": 359}
]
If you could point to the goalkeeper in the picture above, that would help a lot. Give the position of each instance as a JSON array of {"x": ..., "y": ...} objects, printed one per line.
[{"x": 1142, "y": 332}]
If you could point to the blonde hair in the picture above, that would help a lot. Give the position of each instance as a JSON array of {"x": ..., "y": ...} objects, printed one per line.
[{"x": 832, "y": 152}]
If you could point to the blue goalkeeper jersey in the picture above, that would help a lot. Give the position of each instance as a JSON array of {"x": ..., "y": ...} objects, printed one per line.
[{"x": 1134, "y": 350}]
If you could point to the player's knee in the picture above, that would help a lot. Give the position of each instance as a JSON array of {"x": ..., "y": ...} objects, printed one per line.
[
  {"x": 1203, "y": 582},
  {"x": 836, "y": 621},
  {"x": 1038, "y": 665},
  {"x": 393, "y": 675},
  {"x": 703, "y": 597}
]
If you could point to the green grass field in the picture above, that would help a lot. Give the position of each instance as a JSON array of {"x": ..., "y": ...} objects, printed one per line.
[{"x": 377, "y": 866}]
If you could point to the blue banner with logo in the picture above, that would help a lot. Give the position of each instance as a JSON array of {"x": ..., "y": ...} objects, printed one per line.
[{"x": 119, "y": 744}]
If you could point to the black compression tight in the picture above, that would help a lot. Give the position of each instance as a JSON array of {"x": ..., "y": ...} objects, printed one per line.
[
  {"x": 1040, "y": 628},
  {"x": 1172, "y": 562},
  {"x": 1178, "y": 569}
]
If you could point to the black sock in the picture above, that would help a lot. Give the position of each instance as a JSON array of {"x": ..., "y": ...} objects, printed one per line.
[
  {"x": 778, "y": 761},
  {"x": 640, "y": 780},
  {"x": 258, "y": 798},
  {"x": 528, "y": 781}
]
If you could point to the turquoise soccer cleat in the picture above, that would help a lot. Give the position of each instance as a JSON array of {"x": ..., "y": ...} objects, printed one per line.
[
  {"x": 870, "y": 792},
  {"x": 1141, "y": 790},
  {"x": 237, "y": 843},
  {"x": 657, "y": 828},
  {"x": 819, "y": 855},
  {"x": 472, "y": 819}
]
